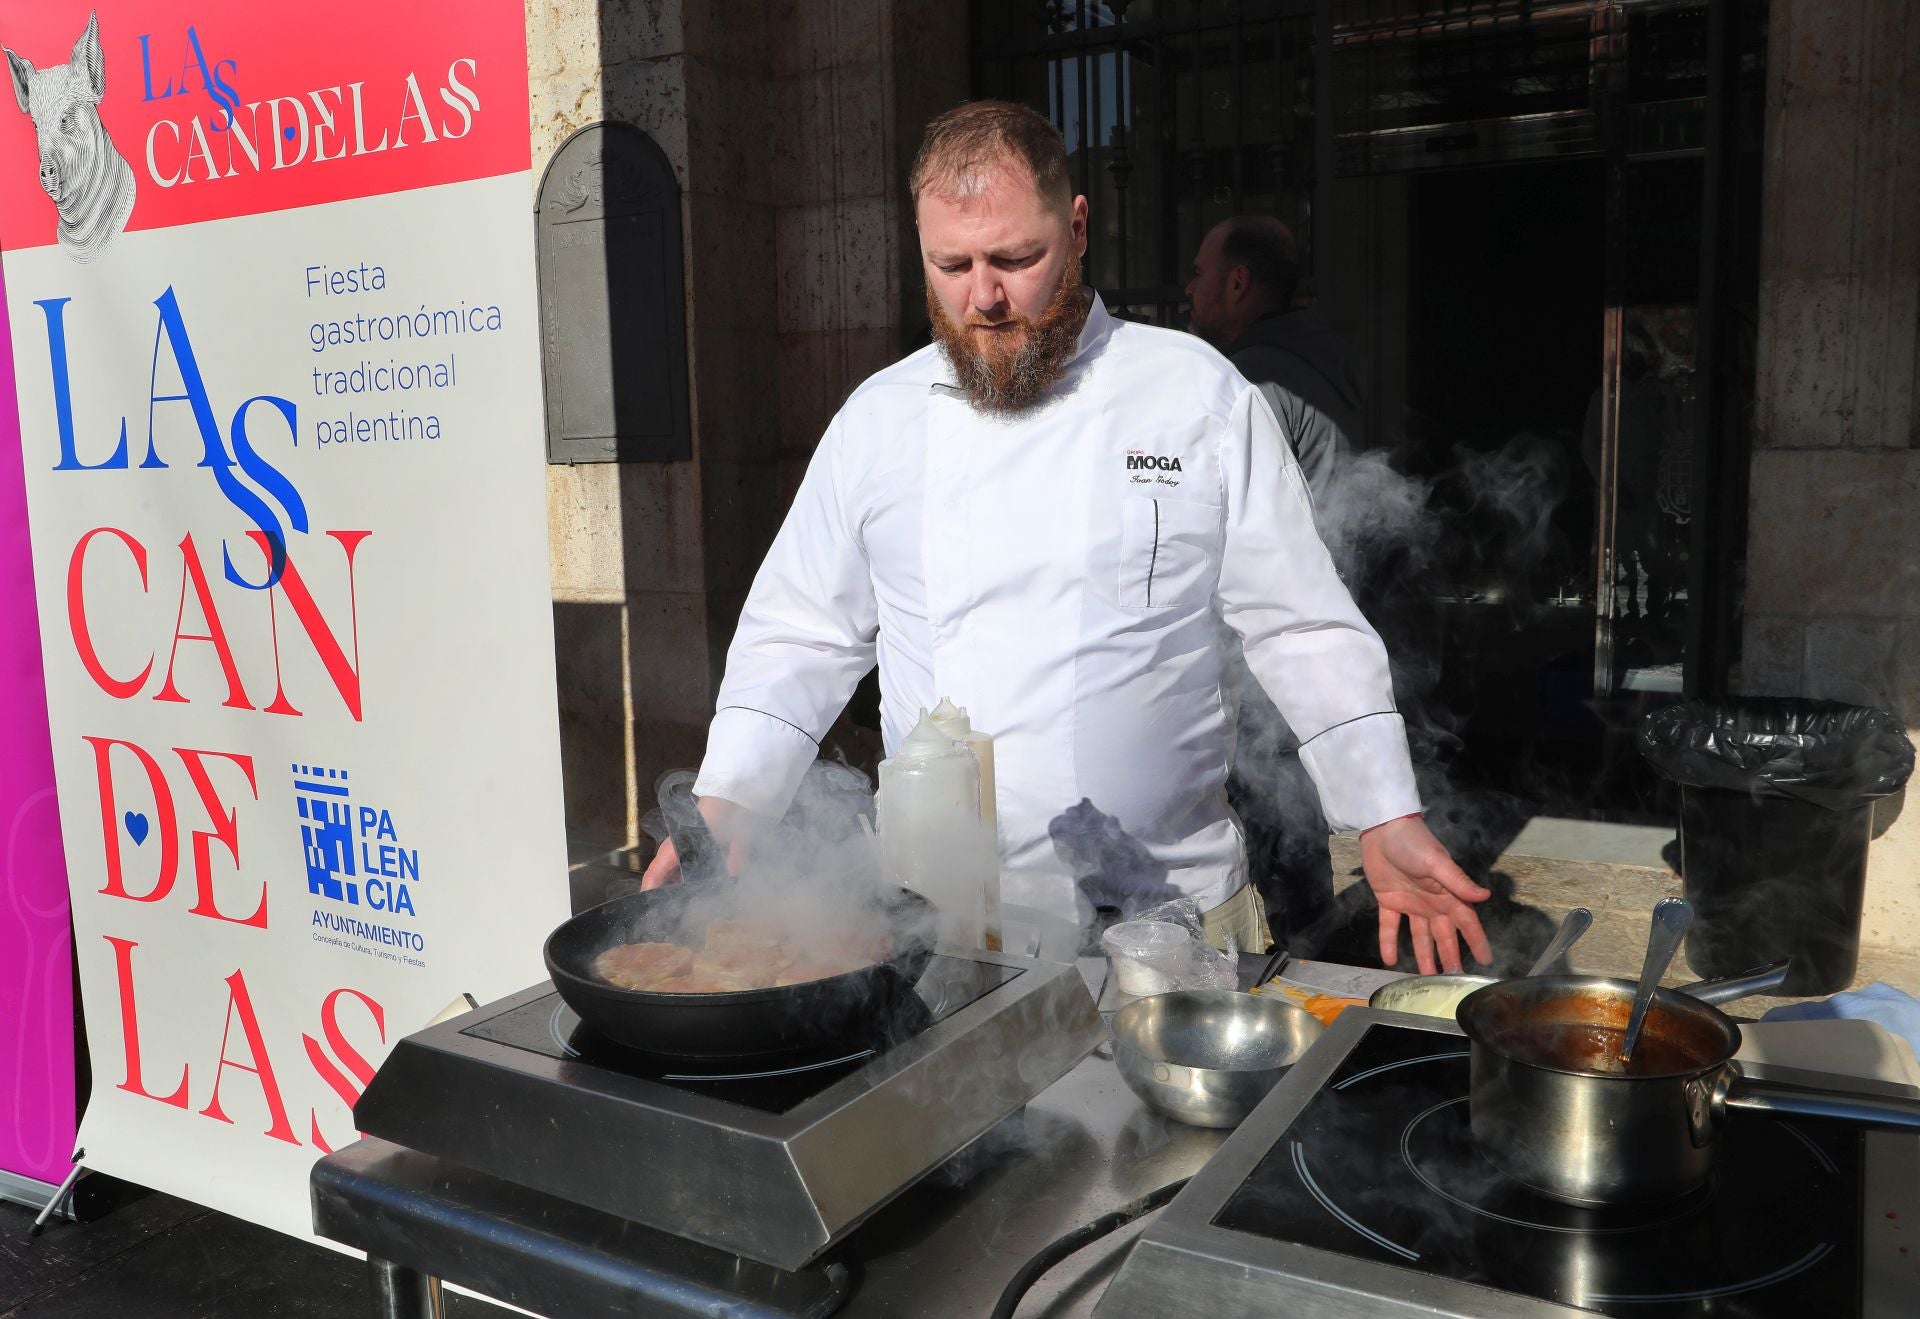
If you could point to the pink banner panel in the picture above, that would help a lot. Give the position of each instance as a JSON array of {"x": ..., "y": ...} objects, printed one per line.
[{"x": 37, "y": 1113}]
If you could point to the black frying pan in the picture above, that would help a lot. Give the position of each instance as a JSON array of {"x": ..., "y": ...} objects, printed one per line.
[{"x": 744, "y": 1023}]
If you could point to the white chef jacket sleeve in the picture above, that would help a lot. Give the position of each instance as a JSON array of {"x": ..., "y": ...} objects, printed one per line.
[
  {"x": 806, "y": 637},
  {"x": 1304, "y": 640}
]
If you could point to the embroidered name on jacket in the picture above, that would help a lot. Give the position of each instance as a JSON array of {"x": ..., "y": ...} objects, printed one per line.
[{"x": 1141, "y": 463}]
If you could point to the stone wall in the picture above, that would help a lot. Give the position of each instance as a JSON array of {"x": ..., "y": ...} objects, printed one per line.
[
  {"x": 1833, "y": 591},
  {"x": 782, "y": 121}
]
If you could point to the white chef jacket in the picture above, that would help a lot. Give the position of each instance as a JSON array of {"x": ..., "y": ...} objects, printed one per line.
[{"x": 1059, "y": 573}]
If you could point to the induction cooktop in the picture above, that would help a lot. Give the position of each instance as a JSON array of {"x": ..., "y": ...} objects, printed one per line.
[{"x": 1356, "y": 1190}]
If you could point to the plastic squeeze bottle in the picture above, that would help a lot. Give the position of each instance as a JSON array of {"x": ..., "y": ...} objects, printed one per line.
[
  {"x": 952, "y": 720},
  {"x": 930, "y": 831}
]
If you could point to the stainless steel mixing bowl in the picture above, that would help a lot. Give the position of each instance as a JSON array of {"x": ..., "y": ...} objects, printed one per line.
[{"x": 1207, "y": 1056}]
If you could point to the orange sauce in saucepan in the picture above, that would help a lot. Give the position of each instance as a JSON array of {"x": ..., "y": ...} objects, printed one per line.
[{"x": 1583, "y": 1047}]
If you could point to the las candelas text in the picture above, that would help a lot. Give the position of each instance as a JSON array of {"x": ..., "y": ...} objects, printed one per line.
[{"x": 220, "y": 590}]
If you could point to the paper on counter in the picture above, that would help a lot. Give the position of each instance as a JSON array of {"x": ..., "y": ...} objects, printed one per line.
[
  {"x": 1326, "y": 989},
  {"x": 1335, "y": 978},
  {"x": 1326, "y": 1008}
]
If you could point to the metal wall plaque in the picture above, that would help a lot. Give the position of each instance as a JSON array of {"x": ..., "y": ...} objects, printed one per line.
[{"x": 613, "y": 321}]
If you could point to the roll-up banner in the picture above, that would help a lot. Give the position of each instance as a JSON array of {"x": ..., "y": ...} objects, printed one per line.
[
  {"x": 270, "y": 273},
  {"x": 36, "y": 962}
]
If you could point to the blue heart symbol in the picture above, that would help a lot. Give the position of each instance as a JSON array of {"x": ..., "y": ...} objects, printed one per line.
[{"x": 137, "y": 826}]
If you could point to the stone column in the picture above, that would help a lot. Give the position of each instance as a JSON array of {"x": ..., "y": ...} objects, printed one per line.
[
  {"x": 1833, "y": 593},
  {"x": 626, "y": 539},
  {"x": 783, "y": 121}
]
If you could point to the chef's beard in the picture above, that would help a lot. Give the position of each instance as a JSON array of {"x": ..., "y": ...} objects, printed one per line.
[{"x": 1013, "y": 369}]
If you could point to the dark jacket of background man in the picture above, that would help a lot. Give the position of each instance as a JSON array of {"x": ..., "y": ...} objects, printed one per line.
[
  {"x": 1245, "y": 276},
  {"x": 1310, "y": 379}
]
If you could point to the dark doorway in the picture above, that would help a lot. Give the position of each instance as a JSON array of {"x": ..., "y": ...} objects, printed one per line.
[
  {"x": 1503, "y": 348},
  {"x": 1537, "y": 225},
  {"x": 1504, "y": 306},
  {"x": 1500, "y": 301}
]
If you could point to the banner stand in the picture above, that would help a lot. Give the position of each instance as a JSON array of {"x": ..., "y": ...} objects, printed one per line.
[
  {"x": 62, "y": 1198},
  {"x": 28, "y": 1191}
]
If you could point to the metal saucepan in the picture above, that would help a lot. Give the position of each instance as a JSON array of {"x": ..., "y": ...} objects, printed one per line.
[
  {"x": 1551, "y": 1107},
  {"x": 742, "y": 1023},
  {"x": 1207, "y": 1056}
]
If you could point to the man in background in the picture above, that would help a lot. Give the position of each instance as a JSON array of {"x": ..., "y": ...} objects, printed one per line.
[{"x": 1241, "y": 296}]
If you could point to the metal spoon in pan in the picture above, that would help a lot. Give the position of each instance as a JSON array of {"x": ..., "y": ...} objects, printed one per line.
[
  {"x": 1574, "y": 924},
  {"x": 1671, "y": 917}
]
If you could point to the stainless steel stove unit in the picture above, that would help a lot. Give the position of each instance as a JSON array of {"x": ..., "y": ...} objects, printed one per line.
[
  {"x": 1355, "y": 1192},
  {"x": 773, "y": 1163}
]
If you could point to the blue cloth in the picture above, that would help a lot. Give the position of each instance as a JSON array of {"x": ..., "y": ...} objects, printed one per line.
[{"x": 1899, "y": 1012}]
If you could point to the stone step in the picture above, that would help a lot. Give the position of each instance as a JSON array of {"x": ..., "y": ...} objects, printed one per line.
[{"x": 1621, "y": 897}]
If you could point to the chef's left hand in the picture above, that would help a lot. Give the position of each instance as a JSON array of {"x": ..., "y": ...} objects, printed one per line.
[
  {"x": 1413, "y": 876},
  {"x": 731, "y": 826}
]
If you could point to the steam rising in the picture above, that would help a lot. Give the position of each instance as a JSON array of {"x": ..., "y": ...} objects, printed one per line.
[
  {"x": 815, "y": 875},
  {"x": 1396, "y": 539},
  {"x": 818, "y": 874}
]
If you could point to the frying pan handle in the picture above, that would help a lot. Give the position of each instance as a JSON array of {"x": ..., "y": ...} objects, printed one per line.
[
  {"x": 1725, "y": 989},
  {"x": 701, "y": 856},
  {"x": 1869, "y": 1110}
]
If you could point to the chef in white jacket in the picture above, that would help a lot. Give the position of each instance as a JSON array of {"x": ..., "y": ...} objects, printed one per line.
[{"x": 1041, "y": 514}]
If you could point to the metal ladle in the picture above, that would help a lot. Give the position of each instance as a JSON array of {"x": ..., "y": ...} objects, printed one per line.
[
  {"x": 1574, "y": 924},
  {"x": 1671, "y": 917}
]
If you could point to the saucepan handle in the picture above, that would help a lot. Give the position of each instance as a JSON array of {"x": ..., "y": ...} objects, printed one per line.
[
  {"x": 1869, "y": 1110},
  {"x": 1725, "y": 989}
]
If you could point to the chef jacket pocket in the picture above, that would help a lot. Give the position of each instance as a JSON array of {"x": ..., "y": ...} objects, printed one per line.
[{"x": 1169, "y": 552}]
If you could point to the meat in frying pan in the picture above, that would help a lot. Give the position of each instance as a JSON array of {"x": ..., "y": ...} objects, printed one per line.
[
  {"x": 860, "y": 947},
  {"x": 754, "y": 965},
  {"x": 743, "y": 931},
  {"x": 740, "y": 954},
  {"x": 741, "y": 958},
  {"x": 707, "y": 982},
  {"x": 818, "y": 968},
  {"x": 642, "y": 965}
]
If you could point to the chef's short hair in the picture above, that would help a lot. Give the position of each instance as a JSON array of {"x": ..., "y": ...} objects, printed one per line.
[
  {"x": 969, "y": 141},
  {"x": 1266, "y": 248}
]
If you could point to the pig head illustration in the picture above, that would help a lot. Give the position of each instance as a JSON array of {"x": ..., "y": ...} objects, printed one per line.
[{"x": 91, "y": 184}]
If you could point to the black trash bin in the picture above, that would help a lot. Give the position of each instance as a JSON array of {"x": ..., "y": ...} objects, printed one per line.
[{"x": 1776, "y": 811}]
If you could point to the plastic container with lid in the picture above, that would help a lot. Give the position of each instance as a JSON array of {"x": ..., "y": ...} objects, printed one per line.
[
  {"x": 931, "y": 833},
  {"x": 1148, "y": 956},
  {"x": 952, "y": 720}
]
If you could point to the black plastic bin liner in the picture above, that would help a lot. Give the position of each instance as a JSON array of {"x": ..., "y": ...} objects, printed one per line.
[{"x": 1776, "y": 812}]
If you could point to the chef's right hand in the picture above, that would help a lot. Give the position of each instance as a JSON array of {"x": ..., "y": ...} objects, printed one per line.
[
  {"x": 728, "y": 823},
  {"x": 1412, "y": 875}
]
